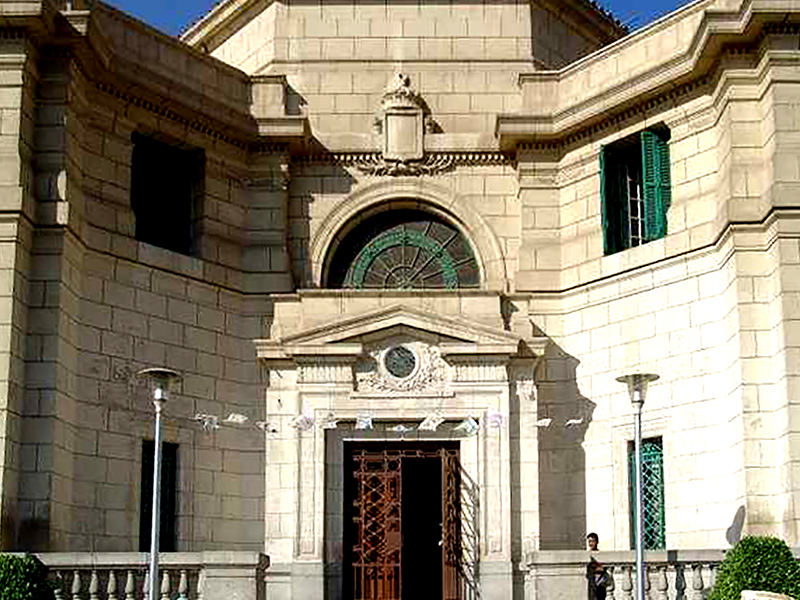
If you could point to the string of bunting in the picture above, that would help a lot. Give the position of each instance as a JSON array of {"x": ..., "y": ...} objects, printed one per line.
[
  {"x": 432, "y": 422},
  {"x": 468, "y": 426}
]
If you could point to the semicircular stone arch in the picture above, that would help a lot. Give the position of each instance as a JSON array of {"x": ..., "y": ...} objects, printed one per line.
[{"x": 406, "y": 196}]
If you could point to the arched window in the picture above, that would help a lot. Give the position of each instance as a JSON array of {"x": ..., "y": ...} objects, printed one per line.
[{"x": 403, "y": 249}]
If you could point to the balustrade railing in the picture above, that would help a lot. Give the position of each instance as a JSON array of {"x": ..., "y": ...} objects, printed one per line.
[
  {"x": 182, "y": 575},
  {"x": 670, "y": 575},
  {"x": 663, "y": 581}
]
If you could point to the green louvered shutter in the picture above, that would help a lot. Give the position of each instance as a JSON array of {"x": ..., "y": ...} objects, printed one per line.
[
  {"x": 656, "y": 184},
  {"x": 604, "y": 200}
]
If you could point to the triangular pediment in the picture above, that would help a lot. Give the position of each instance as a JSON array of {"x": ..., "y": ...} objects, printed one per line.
[{"x": 347, "y": 336}]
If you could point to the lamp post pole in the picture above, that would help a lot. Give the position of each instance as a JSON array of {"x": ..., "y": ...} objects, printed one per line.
[
  {"x": 637, "y": 426},
  {"x": 637, "y": 390},
  {"x": 159, "y": 380},
  {"x": 156, "y": 512}
]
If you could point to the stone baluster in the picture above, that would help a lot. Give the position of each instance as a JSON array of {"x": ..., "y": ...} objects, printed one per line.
[
  {"x": 627, "y": 583},
  {"x": 712, "y": 575},
  {"x": 130, "y": 586},
  {"x": 58, "y": 589},
  {"x": 697, "y": 582},
  {"x": 183, "y": 586},
  {"x": 76, "y": 585},
  {"x": 200, "y": 591},
  {"x": 111, "y": 587},
  {"x": 610, "y": 584},
  {"x": 146, "y": 586},
  {"x": 94, "y": 586},
  {"x": 165, "y": 585},
  {"x": 680, "y": 582},
  {"x": 661, "y": 583},
  {"x": 647, "y": 584}
]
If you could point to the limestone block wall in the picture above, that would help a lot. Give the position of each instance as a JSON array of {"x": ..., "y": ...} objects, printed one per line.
[
  {"x": 105, "y": 305},
  {"x": 462, "y": 98},
  {"x": 546, "y": 34},
  {"x": 678, "y": 320},
  {"x": 463, "y": 58},
  {"x": 709, "y": 308},
  {"x": 17, "y": 115}
]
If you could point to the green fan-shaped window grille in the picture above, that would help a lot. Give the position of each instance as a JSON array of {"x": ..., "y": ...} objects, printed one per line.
[
  {"x": 404, "y": 249},
  {"x": 654, "y": 527}
]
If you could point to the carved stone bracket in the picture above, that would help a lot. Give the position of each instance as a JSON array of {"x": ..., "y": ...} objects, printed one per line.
[
  {"x": 430, "y": 164},
  {"x": 373, "y": 163}
]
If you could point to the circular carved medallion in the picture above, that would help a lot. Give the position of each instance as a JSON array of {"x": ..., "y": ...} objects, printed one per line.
[{"x": 400, "y": 362}]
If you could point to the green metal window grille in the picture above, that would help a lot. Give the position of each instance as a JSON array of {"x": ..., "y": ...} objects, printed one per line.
[
  {"x": 655, "y": 537},
  {"x": 404, "y": 249},
  {"x": 635, "y": 190}
]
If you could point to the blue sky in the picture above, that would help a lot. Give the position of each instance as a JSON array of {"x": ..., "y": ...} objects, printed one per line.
[{"x": 172, "y": 16}]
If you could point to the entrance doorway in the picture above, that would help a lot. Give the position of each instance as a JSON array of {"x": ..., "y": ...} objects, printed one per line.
[{"x": 403, "y": 522}]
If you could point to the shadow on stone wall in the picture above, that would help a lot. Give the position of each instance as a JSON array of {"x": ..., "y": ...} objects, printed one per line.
[
  {"x": 563, "y": 495},
  {"x": 320, "y": 178}
]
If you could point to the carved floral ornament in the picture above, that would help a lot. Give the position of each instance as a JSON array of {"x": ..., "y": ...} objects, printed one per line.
[{"x": 411, "y": 367}]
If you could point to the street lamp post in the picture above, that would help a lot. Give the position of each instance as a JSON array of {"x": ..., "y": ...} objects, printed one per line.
[
  {"x": 637, "y": 390},
  {"x": 159, "y": 381}
]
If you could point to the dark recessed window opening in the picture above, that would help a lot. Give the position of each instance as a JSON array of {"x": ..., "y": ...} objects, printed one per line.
[
  {"x": 167, "y": 534},
  {"x": 404, "y": 249},
  {"x": 167, "y": 186},
  {"x": 635, "y": 190}
]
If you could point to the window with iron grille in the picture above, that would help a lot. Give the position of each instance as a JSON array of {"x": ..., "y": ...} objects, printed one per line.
[
  {"x": 635, "y": 189},
  {"x": 404, "y": 248},
  {"x": 653, "y": 525}
]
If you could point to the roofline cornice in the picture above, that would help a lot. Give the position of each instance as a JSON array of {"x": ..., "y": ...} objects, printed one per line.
[
  {"x": 204, "y": 33},
  {"x": 740, "y": 32},
  {"x": 207, "y": 31}
]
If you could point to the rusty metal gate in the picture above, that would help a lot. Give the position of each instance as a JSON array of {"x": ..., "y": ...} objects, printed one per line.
[{"x": 389, "y": 501}]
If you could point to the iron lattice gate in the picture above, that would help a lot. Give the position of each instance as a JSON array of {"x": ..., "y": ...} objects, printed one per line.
[{"x": 376, "y": 551}]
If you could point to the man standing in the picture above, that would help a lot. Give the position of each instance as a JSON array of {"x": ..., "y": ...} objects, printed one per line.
[{"x": 595, "y": 571}]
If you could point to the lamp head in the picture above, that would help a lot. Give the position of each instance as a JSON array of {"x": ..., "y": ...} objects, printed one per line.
[
  {"x": 637, "y": 385},
  {"x": 159, "y": 381}
]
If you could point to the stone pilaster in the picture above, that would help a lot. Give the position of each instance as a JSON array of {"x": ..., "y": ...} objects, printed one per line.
[
  {"x": 18, "y": 77},
  {"x": 540, "y": 249}
]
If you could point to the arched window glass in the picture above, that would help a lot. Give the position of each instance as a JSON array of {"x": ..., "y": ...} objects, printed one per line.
[{"x": 404, "y": 249}]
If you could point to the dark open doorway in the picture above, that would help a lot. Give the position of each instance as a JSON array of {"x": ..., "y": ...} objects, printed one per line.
[{"x": 400, "y": 534}]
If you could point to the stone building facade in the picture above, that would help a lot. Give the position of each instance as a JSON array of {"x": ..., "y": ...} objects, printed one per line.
[{"x": 430, "y": 232}]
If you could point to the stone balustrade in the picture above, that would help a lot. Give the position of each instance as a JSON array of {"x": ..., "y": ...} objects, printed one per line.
[
  {"x": 668, "y": 580},
  {"x": 182, "y": 575},
  {"x": 671, "y": 575}
]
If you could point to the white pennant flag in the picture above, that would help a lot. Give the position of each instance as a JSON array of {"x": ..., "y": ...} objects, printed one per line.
[
  {"x": 363, "y": 422},
  {"x": 468, "y": 426},
  {"x": 330, "y": 422},
  {"x": 494, "y": 419},
  {"x": 207, "y": 422},
  {"x": 431, "y": 423},
  {"x": 302, "y": 422},
  {"x": 237, "y": 419}
]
